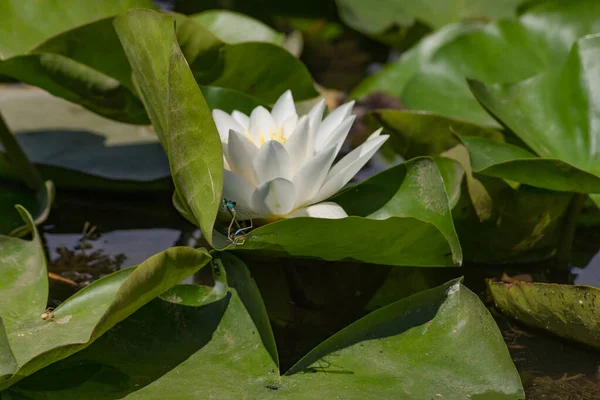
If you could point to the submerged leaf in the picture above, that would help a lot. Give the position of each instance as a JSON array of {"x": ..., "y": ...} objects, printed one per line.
[{"x": 569, "y": 311}]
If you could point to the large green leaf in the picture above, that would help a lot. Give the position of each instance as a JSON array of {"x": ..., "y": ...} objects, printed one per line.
[
  {"x": 418, "y": 133},
  {"x": 233, "y": 27},
  {"x": 54, "y": 45},
  {"x": 511, "y": 162},
  {"x": 35, "y": 342},
  {"x": 26, "y": 24},
  {"x": 78, "y": 149},
  {"x": 389, "y": 14},
  {"x": 569, "y": 311},
  {"x": 494, "y": 221},
  {"x": 393, "y": 76},
  {"x": 557, "y": 114},
  {"x": 504, "y": 51},
  {"x": 178, "y": 111},
  {"x": 441, "y": 342},
  {"x": 67, "y": 63},
  {"x": 398, "y": 217}
]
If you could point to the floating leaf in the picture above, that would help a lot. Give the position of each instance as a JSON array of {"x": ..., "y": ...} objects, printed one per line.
[
  {"x": 432, "y": 77},
  {"x": 390, "y": 14},
  {"x": 556, "y": 116},
  {"x": 569, "y": 311},
  {"x": 34, "y": 341},
  {"x": 233, "y": 27}
]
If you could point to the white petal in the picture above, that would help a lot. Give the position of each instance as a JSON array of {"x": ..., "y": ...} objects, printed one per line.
[
  {"x": 297, "y": 144},
  {"x": 314, "y": 121},
  {"x": 327, "y": 209},
  {"x": 310, "y": 178},
  {"x": 276, "y": 197},
  {"x": 284, "y": 108},
  {"x": 241, "y": 119},
  {"x": 347, "y": 167},
  {"x": 289, "y": 126},
  {"x": 374, "y": 134},
  {"x": 225, "y": 123},
  {"x": 332, "y": 121},
  {"x": 261, "y": 122},
  {"x": 338, "y": 135},
  {"x": 240, "y": 154},
  {"x": 272, "y": 161},
  {"x": 236, "y": 188}
]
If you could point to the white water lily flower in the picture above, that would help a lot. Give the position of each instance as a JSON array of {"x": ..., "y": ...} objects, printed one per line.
[{"x": 279, "y": 165}]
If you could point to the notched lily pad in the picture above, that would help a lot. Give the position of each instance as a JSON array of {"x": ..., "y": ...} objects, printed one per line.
[
  {"x": 442, "y": 341},
  {"x": 570, "y": 311},
  {"x": 35, "y": 338}
]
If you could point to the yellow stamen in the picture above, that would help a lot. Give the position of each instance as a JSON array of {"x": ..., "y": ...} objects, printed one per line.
[
  {"x": 262, "y": 139},
  {"x": 272, "y": 134},
  {"x": 248, "y": 135},
  {"x": 280, "y": 134}
]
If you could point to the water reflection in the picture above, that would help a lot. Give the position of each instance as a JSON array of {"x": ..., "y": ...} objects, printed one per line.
[{"x": 589, "y": 275}]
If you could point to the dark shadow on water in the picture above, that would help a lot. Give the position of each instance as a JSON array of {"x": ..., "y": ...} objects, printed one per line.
[{"x": 88, "y": 152}]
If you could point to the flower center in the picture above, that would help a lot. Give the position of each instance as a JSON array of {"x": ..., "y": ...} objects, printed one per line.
[{"x": 272, "y": 135}]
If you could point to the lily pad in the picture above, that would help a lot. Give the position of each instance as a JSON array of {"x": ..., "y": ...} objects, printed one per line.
[
  {"x": 511, "y": 162},
  {"x": 539, "y": 39},
  {"x": 420, "y": 133},
  {"x": 557, "y": 117},
  {"x": 233, "y": 27},
  {"x": 66, "y": 63},
  {"x": 399, "y": 217},
  {"x": 49, "y": 44},
  {"x": 390, "y": 14},
  {"x": 569, "y": 311},
  {"x": 392, "y": 77},
  {"x": 438, "y": 342},
  {"x": 33, "y": 339}
]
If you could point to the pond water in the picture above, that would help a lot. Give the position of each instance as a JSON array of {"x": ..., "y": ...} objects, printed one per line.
[{"x": 89, "y": 235}]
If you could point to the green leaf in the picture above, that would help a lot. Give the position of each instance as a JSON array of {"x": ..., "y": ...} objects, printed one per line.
[
  {"x": 522, "y": 224},
  {"x": 261, "y": 70},
  {"x": 25, "y": 24},
  {"x": 77, "y": 149},
  {"x": 37, "y": 203},
  {"x": 178, "y": 111},
  {"x": 507, "y": 161},
  {"x": 392, "y": 77},
  {"x": 427, "y": 345},
  {"x": 67, "y": 64},
  {"x": 418, "y": 133},
  {"x": 400, "y": 216},
  {"x": 389, "y": 14},
  {"x": 538, "y": 40},
  {"x": 569, "y": 311},
  {"x": 35, "y": 342},
  {"x": 504, "y": 51},
  {"x": 233, "y": 27},
  {"x": 557, "y": 115},
  {"x": 54, "y": 45}
]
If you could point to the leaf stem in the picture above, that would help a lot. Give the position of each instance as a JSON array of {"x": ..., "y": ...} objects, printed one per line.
[
  {"x": 18, "y": 159},
  {"x": 569, "y": 226}
]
